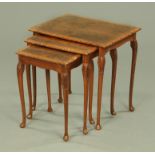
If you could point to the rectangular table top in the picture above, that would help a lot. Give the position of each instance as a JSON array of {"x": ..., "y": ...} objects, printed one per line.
[
  {"x": 60, "y": 44},
  {"x": 84, "y": 30},
  {"x": 50, "y": 55}
]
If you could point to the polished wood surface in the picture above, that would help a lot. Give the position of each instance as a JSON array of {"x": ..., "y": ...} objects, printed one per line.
[
  {"x": 101, "y": 66},
  {"x": 85, "y": 30},
  {"x": 28, "y": 75},
  {"x": 60, "y": 44},
  {"x": 134, "y": 46},
  {"x": 70, "y": 90},
  {"x": 34, "y": 87},
  {"x": 91, "y": 87},
  {"x": 85, "y": 72},
  {"x": 103, "y": 34},
  {"x": 72, "y": 30},
  {"x": 20, "y": 70},
  {"x": 65, "y": 86},
  {"x": 87, "y": 53},
  {"x": 35, "y": 60},
  {"x": 113, "y": 54},
  {"x": 33, "y": 56},
  {"x": 60, "y": 99},
  {"x": 48, "y": 85},
  {"x": 102, "y": 52},
  {"x": 53, "y": 55}
]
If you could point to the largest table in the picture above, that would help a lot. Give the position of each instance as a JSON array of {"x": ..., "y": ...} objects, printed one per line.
[{"x": 105, "y": 35}]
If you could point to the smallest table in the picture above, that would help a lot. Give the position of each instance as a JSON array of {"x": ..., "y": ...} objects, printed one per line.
[{"x": 49, "y": 59}]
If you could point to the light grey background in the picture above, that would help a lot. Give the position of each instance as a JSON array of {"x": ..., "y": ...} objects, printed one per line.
[{"x": 124, "y": 132}]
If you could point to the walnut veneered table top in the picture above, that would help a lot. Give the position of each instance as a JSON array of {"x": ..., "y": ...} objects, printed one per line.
[
  {"x": 51, "y": 42},
  {"x": 84, "y": 30},
  {"x": 50, "y": 55}
]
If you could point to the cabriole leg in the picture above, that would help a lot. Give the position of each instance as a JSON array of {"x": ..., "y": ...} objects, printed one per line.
[
  {"x": 91, "y": 86},
  {"x": 65, "y": 96},
  {"x": 34, "y": 87},
  {"x": 60, "y": 88},
  {"x": 101, "y": 64},
  {"x": 85, "y": 71},
  {"x": 133, "y": 65},
  {"x": 29, "y": 116},
  {"x": 70, "y": 91},
  {"x": 20, "y": 70},
  {"x": 113, "y": 54},
  {"x": 48, "y": 90}
]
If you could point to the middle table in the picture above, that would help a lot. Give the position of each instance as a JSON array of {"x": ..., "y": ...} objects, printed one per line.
[{"x": 87, "y": 52}]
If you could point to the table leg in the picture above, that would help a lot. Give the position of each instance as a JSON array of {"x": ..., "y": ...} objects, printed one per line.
[
  {"x": 101, "y": 64},
  {"x": 48, "y": 90},
  {"x": 65, "y": 95},
  {"x": 113, "y": 54},
  {"x": 70, "y": 91},
  {"x": 60, "y": 88},
  {"x": 29, "y": 116},
  {"x": 85, "y": 71},
  {"x": 34, "y": 87},
  {"x": 20, "y": 70},
  {"x": 91, "y": 85},
  {"x": 133, "y": 65}
]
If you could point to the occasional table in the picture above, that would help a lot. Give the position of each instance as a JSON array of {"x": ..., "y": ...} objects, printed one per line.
[
  {"x": 49, "y": 59},
  {"x": 107, "y": 36},
  {"x": 87, "y": 52}
]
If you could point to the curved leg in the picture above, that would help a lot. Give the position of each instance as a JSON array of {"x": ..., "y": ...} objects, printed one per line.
[
  {"x": 20, "y": 70},
  {"x": 29, "y": 116},
  {"x": 101, "y": 64},
  {"x": 91, "y": 84},
  {"x": 70, "y": 91},
  {"x": 65, "y": 96},
  {"x": 60, "y": 88},
  {"x": 113, "y": 54},
  {"x": 34, "y": 87},
  {"x": 85, "y": 72},
  {"x": 133, "y": 65},
  {"x": 48, "y": 90}
]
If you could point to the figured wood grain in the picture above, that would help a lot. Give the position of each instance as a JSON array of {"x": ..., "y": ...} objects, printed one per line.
[
  {"x": 60, "y": 44},
  {"x": 85, "y": 30},
  {"x": 50, "y": 55},
  {"x": 48, "y": 59}
]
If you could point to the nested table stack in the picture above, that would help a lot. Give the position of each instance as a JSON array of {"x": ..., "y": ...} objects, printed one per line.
[{"x": 63, "y": 44}]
